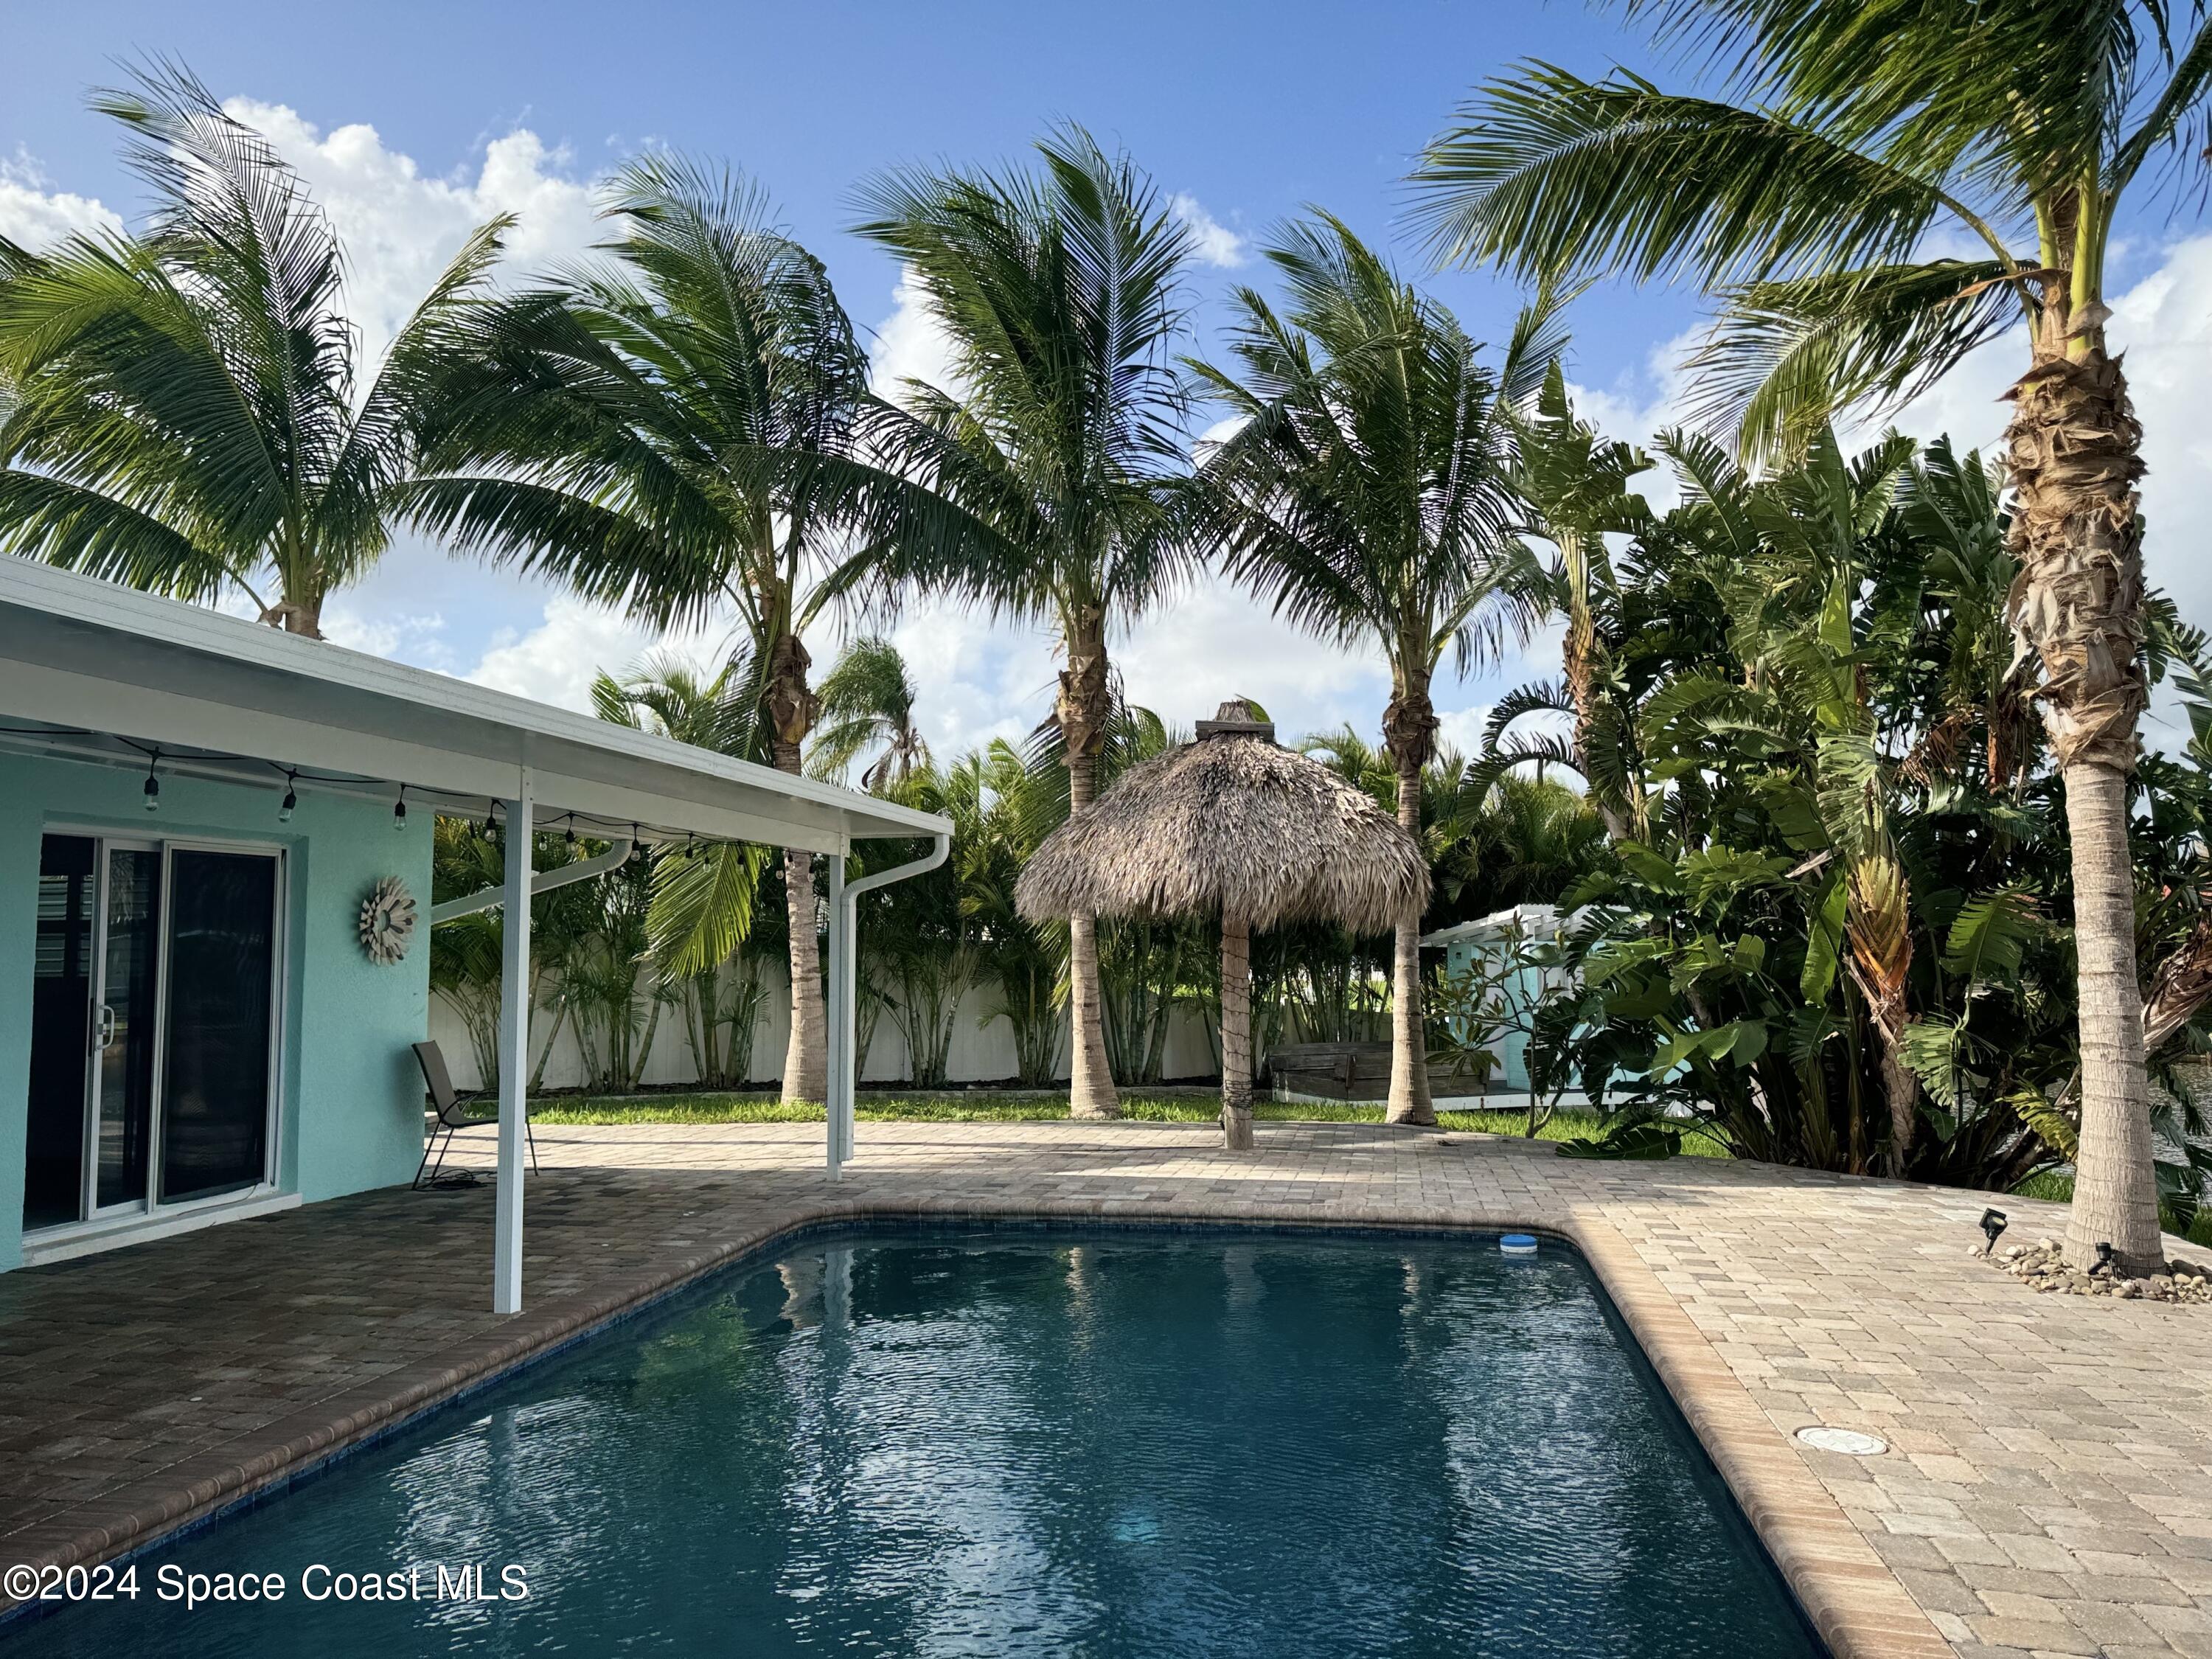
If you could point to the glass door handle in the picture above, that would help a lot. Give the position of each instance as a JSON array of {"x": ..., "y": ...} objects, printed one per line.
[{"x": 103, "y": 1032}]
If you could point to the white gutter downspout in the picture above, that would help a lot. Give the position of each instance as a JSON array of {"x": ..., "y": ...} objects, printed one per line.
[
  {"x": 542, "y": 881},
  {"x": 843, "y": 988},
  {"x": 514, "y": 999}
]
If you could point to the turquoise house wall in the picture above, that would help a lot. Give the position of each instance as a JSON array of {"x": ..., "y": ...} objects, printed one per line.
[
  {"x": 350, "y": 1111},
  {"x": 1527, "y": 988}
]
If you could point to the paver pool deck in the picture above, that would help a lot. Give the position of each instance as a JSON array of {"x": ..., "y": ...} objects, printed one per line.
[{"x": 2049, "y": 1488}]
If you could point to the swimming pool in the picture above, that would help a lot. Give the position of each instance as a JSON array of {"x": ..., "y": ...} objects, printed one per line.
[{"x": 1023, "y": 1441}]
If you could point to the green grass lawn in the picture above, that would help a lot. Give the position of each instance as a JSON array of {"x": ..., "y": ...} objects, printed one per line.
[
  {"x": 2060, "y": 1189},
  {"x": 1183, "y": 1107}
]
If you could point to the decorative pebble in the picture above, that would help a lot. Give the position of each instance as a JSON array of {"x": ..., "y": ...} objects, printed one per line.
[{"x": 2042, "y": 1265}]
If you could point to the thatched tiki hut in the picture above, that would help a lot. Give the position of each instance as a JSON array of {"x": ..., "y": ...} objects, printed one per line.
[{"x": 1236, "y": 826}]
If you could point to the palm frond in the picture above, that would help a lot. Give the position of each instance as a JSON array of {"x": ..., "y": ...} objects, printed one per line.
[
  {"x": 1786, "y": 358},
  {"x": 1546, "y": 172}
]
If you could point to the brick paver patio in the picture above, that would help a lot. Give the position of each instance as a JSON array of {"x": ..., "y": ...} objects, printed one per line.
[{"x": 2045, "y": 1492}]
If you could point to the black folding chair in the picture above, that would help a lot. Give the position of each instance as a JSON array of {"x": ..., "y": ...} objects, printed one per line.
[{"x": 453, "y": 1114}]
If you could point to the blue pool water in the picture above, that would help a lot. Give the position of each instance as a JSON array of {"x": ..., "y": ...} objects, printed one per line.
[{"x": 1018, "y": 1443}]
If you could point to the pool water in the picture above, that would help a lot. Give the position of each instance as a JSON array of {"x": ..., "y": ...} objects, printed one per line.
[{"x": 1029, "y": 1442}]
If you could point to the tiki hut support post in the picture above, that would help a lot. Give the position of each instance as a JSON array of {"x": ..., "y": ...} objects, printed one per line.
[
  {"x": 1235, "y": 826},
  {"x": 1236, "y": 1033}
]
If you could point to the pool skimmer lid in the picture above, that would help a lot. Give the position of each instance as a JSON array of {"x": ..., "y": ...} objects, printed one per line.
[
  {"x": 1850, "y": 1442},
  {"x": 1518, "y": 1244}
]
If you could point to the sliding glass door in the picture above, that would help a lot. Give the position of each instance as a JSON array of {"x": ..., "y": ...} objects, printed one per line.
[
  {"x": 215, "y": 1086},
  {"x": 154, "y": 1021}
]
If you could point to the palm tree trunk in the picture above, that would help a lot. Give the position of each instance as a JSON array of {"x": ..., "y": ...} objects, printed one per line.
[
  {"x": 806, "y": 1057},
  {"x": 1878, "y": 928},
  {"x": 791, "y": 708},
  {"x": 1090, "y": 1091},
  {"x": 1236, "y": 1034},
  {"x": 1410, "y": 1102},
  {"x": 2115, "y": 1183},
  {"x": 1578, "y": 653},
  {"x": 2073, "y": 450},
  {"x": 1083, "y": 707},
  {"x": 1900, "y": 1087}
]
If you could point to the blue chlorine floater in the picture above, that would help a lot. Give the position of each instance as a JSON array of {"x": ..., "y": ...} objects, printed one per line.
[{"x": 1518, "y": 1244}]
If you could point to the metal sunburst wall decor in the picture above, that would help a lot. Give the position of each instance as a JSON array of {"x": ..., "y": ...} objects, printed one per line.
[{"x": 387, "y": 922}]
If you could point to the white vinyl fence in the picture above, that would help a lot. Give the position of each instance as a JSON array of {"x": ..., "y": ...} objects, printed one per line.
[{"x": 981, "y": 1052}]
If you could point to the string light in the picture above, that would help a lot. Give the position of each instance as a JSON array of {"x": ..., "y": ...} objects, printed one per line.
[
  {"x": 153, "y": 784},
  {"x": 291, "y": 798},
  {"x": 400, "y": 810},
  {"x": 572, "y": 833}
]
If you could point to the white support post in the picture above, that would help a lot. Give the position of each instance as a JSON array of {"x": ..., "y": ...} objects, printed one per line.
[
  {"x": 513, "y": 1054},
  {"x": 839, "y": 999}
]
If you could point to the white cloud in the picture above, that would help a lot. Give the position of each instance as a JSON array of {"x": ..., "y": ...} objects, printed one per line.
[
  {"x": 1213, "y": 243},
  {"x": 1461, "y": 729},
  {"x": 1213, "y": 643},
  {"x": 1219, "y": 433},
  {"x": 978, "y": 681},
  {"x": 556, "y": 660},
  {"x": 912, "y": 343},
  {"x": 33, "y": 217},
  {"x": 1640, "y": 404},
  {"x": 400, "y": 227},
  {"x": 407, "y": 636}
]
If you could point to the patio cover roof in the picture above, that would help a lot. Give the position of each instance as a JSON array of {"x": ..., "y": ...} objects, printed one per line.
[{"x": 86, "y": 665}]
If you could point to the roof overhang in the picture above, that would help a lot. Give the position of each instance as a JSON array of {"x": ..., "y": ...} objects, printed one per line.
[
  {"x": 102, "y": 672},
  {"x": 1538, "y": 919}
]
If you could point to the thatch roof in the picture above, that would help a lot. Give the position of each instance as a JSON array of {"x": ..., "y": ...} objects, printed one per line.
[{"x": 1231, "y": 823}]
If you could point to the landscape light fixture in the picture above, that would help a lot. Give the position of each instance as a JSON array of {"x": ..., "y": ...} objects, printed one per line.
[
  {"x": 1993, "y": 1223},
  {"x": 291, "y": 798},
  {"x": 2104, "y": 1257},
  {"x": 153, "y": 783}
]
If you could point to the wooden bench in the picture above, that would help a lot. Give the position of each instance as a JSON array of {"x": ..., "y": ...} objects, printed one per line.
[{"x": 1332, "y": 1071}]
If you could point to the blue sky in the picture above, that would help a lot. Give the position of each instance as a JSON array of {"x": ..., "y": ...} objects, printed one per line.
[
  {"x": 1251, "y": 111},
  {"x": 1254, "y": 109}
]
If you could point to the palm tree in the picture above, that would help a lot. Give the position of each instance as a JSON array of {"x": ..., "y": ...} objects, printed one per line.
[
  {"x": 1367, "y": 495},
  {"x": 182, "y": 411},
  {"x": 868, "y": 698},
  {"x": 1859, "y": 131},
  {"x": 1575, "y": 485},
  {"x": 1521, "y": 841},
  {"x": 678, "y": 437},
  {"x": 704, "y": 894},
  {"x": 1059, "y": 292}
]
